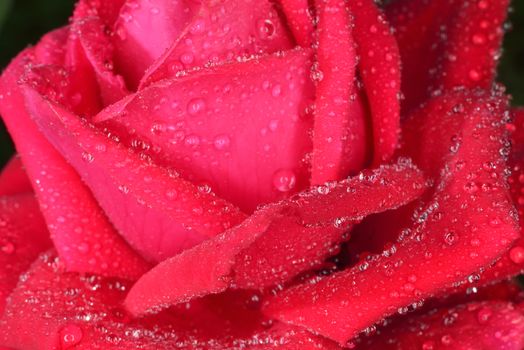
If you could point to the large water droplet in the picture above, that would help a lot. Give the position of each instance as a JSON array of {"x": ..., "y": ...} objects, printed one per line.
[
  {"x": 70, "y": 335},
  {"x": 284, "y": 180}
]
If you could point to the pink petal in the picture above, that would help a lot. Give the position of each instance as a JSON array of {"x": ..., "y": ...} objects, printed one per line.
[
  {"x": 90, "y": 62},
  {"x": 240, "y": 129},
  {"x": 221, "y": 32},
  {"x": 23, "y": 235},
  {"x": 300, "y": 21},
  {"x": 145, "y": 29},
  {"x": 379, "y": 67},
  {"x": 466, "y": 225},
  {"x": 445, "y": 44},
  {"x": 65, "y": 200},
  {"x": 13, "y": 178},
  {"x": 277, "y": 242},
  {"x": 68, "y": 311},
  {"x": 486, "y": 325},
  {"x": 158, "y": 213},
  {"x": 106, "y": 10},
  {"x": 339, "y": 135}
]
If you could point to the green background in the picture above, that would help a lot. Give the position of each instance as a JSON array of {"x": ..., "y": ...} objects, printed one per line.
[{"x": 22, "y": 22}]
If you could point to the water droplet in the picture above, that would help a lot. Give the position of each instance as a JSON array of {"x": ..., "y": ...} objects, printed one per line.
[
  {"x": 221, "y": 142},
  {"x": 484, "y": 314},
  {"x": 8, "y": 248},
  {"x": 516, "y": 254},
  {"x": 196, "y": 106},
  {"x": 276, "y": 90},
  {"x": 450, "y": 238},
  {"x": 87, "y": 157},
  {"x": 266, "y": 28},
  {"x": 70, "y": 335},
  {"x": 284, "y": 180}
]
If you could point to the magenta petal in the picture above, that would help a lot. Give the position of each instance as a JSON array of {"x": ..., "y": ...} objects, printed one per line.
[
  {"x": 379, "y": 67},
  {"x": 71, "y": 311},
  {"x": 90, "y": 62},
  {"x": 485, "y": 325},
  {"x": 300, "y": 20},
  {"x": 446, "y": 44},
  {"x": 65, "y": 201},
  {"x": 13, "y": 178},
  {"x": 145, "y": 29},
  {"x": 23, "y": 235},
  {"x": 239, "y": 129},
  {"x": 466, "y": 225},
  {"x": 158, "y": 213},
  {"x": 339, "y": 134},
  {"x": 277, "y": 242},
  {"x": 222, "y": 31}
]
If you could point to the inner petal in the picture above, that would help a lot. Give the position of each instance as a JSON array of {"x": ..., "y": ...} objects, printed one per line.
[{"x": 238, "y": 129}]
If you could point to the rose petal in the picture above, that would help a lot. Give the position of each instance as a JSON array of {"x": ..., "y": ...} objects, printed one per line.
[
  {"x": 486, "y": 325},
  {"x": 238, "y": 128},
  {"x": 136, "y": 47},
  {"x": 467, "y": 224},
  {"x": 339, "y": 134},
  {"x": 65, "y": 200},
  {"x": 379, "y": 67},
  {"x": 158, "y": 213},
  {"x": 23, "y": 235},
  {"x": 66, "y": 311},
  {"x": 446, "y": 43},
  {"x": 299, "y": 20},
  {"x": 90, "y": 62},
  {"x": 13, "y": 178},
  {"x": 277, "y": 242},
  {"x": 107, "y": 10},
  {"x": 512, "y": 262},
  {"x": 222, "y": 32}
]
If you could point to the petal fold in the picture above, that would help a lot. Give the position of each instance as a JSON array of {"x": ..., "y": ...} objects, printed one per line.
[
  {"x": 278, "y": 241},
  {"x": 465, "y": 225}
]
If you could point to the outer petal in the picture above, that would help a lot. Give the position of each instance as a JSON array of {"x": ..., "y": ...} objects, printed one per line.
[
  {"x": 238, "y": 128},
  {"x": 64, "y": 199},
  {"x": 339, "y": 135},
  {"x": 68, "y": 311},
  {"x": 158, "y": 213},
  {"x": 379, "y": 67},
  {"x": 13, "y": 178},
  {"x": 299, "y": 20},
  {"x": 446, "y": 43},
  {"x": 467, "y": 224},
  {"x": 482, "y": 326},
  {"x": 23, "y": 235},
  {"x": 512, "y": 263},
  {"x": 277, "y": 242},
  {"x": 222, "y": 31},
  {"x": 107, "y": 10}
]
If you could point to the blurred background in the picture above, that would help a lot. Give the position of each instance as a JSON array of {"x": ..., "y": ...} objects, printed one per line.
[{"x": 22, "y": 22}]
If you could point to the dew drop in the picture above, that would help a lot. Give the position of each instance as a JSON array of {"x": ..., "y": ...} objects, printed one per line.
[
  {"x": 450, "y": 238},
  {"x": 276, "y": 90},
  {"x": 266, "y": 28},
  {"x": 70, "y": 335},
  {"x": 196, "y": 106},
  {"x": 516, "y": 254},
  {"x": 8, "y": 248},
  {"x": 284, "y": 180},
  {"x": 221, "y": 142},
  {"x": 484, "y": 315}
]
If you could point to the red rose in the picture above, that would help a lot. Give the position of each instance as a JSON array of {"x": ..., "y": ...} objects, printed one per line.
[{"x": 256, "y": 174}]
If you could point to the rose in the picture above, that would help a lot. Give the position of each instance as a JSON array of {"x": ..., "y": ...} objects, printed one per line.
[{"x": 215, "y": 138}]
